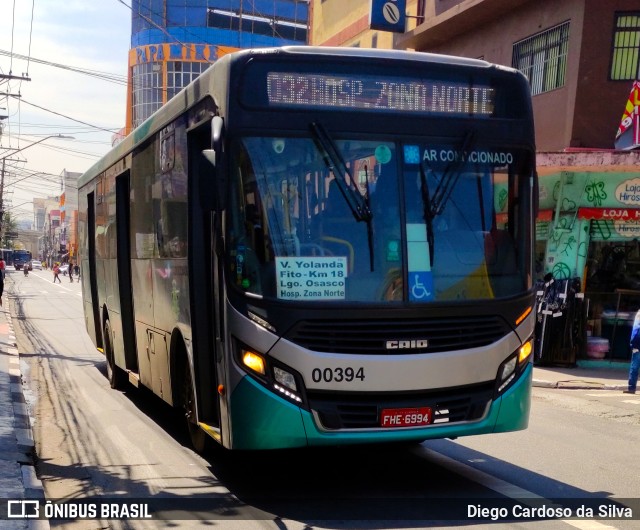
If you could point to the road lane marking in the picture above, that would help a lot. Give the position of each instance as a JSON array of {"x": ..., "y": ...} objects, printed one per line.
[
  {"x": 58, "y": 285},
  {"x": 502, "y": 487}
]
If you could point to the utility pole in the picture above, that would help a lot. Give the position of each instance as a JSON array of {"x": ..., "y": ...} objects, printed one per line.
[
  {"x": 6, "y": 77},
  {"x": 2, "y": 202}
]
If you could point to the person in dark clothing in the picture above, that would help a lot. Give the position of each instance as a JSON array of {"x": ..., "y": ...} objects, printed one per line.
[
  {"x": 634, "y": 367},
  {"x": 1, "y": 284}
]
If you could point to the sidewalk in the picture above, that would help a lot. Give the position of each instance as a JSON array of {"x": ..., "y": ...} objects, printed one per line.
[
  {"x": 17, "y": 474},
  {"x": 594, "y": 375}
]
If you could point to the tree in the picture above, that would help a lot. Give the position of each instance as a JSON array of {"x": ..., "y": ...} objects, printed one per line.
[{"x": 7, "y": 225}]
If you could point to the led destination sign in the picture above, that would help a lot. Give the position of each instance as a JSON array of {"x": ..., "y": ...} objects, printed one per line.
[{"x": 374, "y": 93}]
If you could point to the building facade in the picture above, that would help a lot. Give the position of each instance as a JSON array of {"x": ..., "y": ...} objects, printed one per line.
[
  {"x": 340, "y": 23},
  {"x": 67, "y": 237},
  {"x": 581, "y": 57},
  {"x": 173, "y": 41}
]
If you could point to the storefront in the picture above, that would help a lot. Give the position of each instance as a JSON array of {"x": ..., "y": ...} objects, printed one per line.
[{"x": 588, "y": 232}]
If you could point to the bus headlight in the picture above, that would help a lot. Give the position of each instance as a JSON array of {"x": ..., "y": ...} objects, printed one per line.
[
  {"x": 506, "y": 373},
  {"x": 285, "y": 378},
  {"x": 254, "y": 362},
  {"x": 513, "y": 366},
  {"x": 276, "y": 376},
  {"x": 524, "y": 354}
]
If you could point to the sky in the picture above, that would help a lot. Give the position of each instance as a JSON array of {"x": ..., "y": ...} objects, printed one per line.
[{"x": 84, "y": 35}]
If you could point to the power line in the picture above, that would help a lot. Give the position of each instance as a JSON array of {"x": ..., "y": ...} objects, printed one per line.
[
  {"x": 105, "y": 76},
  {"x": 70, "y": 118}
]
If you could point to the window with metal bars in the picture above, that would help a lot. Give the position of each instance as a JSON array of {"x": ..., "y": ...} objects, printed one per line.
[
  {"x": 625, "y": 58},
  {"x": 543, "y": 58}
]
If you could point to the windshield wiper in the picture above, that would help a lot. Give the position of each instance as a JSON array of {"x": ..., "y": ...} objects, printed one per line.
[
  {"x": 358, "y": 204},
  {"x": 427, "y": 210},
  {"x": 450, "y": 177},
  {"x": 434, "y": 206}
]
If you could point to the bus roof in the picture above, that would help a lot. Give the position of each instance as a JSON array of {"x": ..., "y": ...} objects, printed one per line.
[{"x": 202, "y": 87}]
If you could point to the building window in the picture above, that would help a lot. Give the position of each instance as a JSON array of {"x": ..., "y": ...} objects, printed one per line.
[
  {"x": 543, "y": 58},
  {"x": 147, "y": 91},
  {"x": 290, "y": 28},
  {"x": 625, "y": 60},
  {"x": 181, "y": 73}
]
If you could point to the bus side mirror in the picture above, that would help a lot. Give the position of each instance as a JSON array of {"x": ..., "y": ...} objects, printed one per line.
[{"x": 212, "y": 179}]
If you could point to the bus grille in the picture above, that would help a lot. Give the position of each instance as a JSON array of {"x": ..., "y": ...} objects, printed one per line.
[
  {"x": 369, "y": 337},
  {"x": 363, "y": 412}
]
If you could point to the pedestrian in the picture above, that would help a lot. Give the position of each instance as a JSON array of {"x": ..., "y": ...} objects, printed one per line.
[
  {"x": 76, "y": 269},
  {"x": 1, "y": 280},
  {"x": 635, "y": 356},
  {"x": 3, "y": 267},
  {"x": 56, "y": 273},
  {"x": 70, "y": 269}
]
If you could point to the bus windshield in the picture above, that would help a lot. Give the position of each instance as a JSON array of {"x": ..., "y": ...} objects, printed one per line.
[{"x": 400, "y": 221}]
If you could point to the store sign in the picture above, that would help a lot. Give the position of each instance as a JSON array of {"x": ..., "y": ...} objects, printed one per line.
[
  {"x": 629, "y": 192},
  {"x": 152, "y": 53},
  {"x": 612, "y": 214},
  {"x": 627, "y": 229},
  {"x": 388, "y": 15}
]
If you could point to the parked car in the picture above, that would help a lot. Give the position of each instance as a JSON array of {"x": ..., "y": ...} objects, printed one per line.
[
  {"x": 64, "y": 269},
  {"x": 36, "y": 265}
]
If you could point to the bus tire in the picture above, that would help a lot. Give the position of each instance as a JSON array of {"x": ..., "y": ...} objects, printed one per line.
[
  {"x": 197, "y": 436},
  {"x": 115, "y": 375}
]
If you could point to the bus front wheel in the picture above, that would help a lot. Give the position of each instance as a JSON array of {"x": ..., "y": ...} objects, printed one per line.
[
  {"x": 197, "y": 436},
  {"x": 115, "y": 375}
]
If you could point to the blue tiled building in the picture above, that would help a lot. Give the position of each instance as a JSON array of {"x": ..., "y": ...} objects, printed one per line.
[{"x": 173, "y": 41}]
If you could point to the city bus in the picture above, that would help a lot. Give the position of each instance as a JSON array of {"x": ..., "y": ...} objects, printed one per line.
[
  {"x": 21, "y": 258},
  {"x": 321, "y": 246}
]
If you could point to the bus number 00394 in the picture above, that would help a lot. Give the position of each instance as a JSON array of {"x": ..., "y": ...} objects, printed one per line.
[{"x": 338, "y": 375}]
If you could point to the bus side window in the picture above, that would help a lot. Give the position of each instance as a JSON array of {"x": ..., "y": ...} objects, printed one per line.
[{"x": 172, "y": 230}]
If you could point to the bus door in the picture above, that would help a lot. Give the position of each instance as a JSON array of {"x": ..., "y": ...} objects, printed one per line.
[
  {"x": 123, "y": 228},
  {"x": 93, "y": 282},
  {"x": 202, "y": 285}
]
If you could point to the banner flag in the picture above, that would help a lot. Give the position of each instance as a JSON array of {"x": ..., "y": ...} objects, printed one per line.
[{"x": 628, "y": 135}]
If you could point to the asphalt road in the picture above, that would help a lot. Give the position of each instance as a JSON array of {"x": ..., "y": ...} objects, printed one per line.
[{"x": 93, "y": 442}]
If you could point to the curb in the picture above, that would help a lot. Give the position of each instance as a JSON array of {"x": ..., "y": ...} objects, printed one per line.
[{"x": 576, "y": 385}]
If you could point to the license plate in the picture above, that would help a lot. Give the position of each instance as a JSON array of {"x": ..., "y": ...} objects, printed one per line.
[{"x": 405, "y": 417}]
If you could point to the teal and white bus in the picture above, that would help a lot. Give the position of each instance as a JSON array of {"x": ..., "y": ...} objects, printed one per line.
[{"x": 320, "y": 246}]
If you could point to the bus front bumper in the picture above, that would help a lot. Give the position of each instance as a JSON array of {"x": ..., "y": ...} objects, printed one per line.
[{"x": 263, "y": 420}]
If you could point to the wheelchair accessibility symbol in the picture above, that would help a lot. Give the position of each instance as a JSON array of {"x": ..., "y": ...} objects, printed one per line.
[{"x": 420, "y": 286}]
